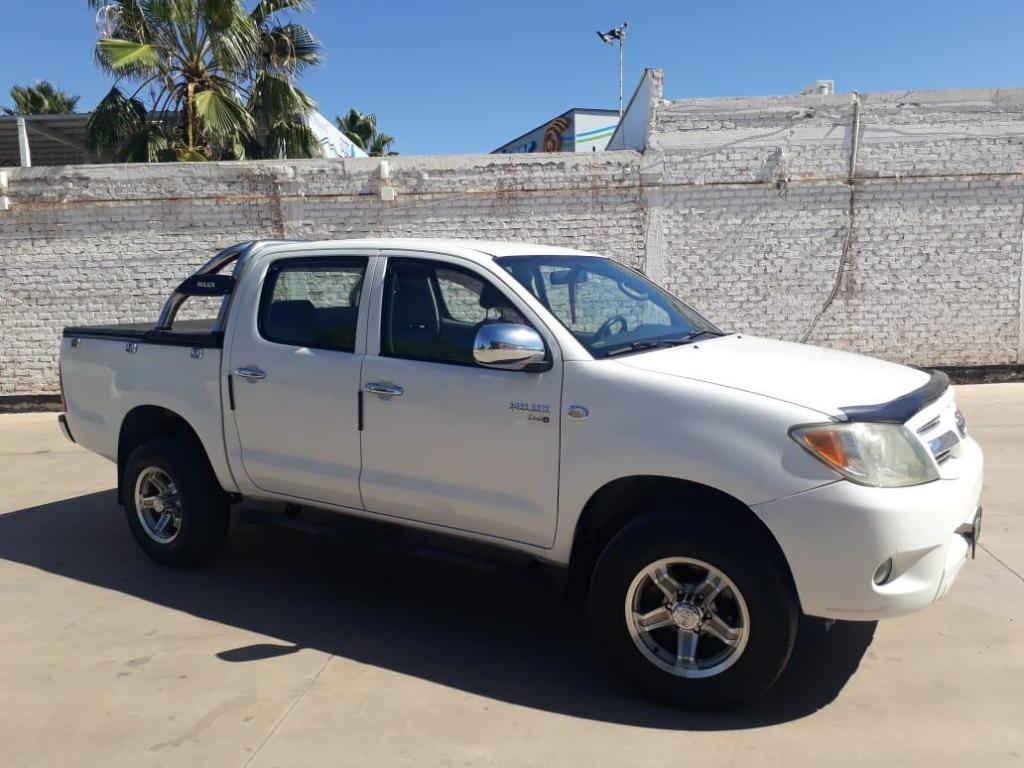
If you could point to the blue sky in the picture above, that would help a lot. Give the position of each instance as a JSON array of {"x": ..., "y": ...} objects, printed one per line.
[{"x": 448, "y": 77}]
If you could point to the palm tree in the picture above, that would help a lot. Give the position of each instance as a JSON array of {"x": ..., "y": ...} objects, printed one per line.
[
  {"x": 361, "y": 129},
  {"x": 40, "y": 99},
  {"x": 219, "y": 80}
]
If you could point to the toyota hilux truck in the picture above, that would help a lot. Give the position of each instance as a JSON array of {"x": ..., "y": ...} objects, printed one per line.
[{"x": 699, "y": 489}]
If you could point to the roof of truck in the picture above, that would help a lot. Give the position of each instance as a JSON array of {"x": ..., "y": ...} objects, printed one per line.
[{"x": 478, "y": 249}]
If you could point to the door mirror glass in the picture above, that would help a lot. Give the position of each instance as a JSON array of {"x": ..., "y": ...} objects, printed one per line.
[{"x": 509, "y": 347}]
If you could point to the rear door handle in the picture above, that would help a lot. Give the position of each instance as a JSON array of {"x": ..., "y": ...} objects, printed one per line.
[
  {"x": 252, "y": 374},
  {"x": 376, "y": 388}
]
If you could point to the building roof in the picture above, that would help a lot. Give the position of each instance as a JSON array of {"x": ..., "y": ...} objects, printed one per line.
[
  {"x": 53, "y": 140},
  {"x": 60, "y": 139}
]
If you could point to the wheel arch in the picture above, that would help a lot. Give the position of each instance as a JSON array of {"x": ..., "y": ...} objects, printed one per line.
[
  {"x": 621, "y": 500},
  {"x": 148, "y": 422}
]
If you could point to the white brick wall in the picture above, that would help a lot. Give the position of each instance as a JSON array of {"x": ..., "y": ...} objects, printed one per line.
[
  {"x": 739, "y": 205},
  {"x": 100, "y": 244},
  {"x": 751, "y": 200}
]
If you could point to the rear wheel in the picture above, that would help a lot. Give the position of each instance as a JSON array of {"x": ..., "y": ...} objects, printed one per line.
[
  {"x": 693, "y": 611},
  {"x": 174, "y": 506}
]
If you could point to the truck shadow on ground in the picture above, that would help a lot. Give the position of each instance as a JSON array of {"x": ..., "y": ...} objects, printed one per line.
[{"x": 488, "y": 633}]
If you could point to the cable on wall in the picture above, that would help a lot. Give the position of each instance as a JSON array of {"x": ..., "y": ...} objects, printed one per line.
[{"x": 848, "y": 241}]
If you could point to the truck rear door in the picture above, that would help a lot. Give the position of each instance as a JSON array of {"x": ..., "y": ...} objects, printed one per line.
[{"x": 295, "y": 367}]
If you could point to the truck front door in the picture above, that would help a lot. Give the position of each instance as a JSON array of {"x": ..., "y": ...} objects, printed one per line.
[{"x": 446, "y": 441}]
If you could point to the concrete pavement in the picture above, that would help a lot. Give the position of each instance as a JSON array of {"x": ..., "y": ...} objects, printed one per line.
[{"x": 292, "y": 651}]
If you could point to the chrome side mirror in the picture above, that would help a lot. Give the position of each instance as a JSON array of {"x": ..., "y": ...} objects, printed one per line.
[{"x": 509, "y": 347}]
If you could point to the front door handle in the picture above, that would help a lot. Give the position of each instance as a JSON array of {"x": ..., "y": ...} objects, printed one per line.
[
  {"x": 252, "y": 374},
  {"x": 392, "y": 390}
]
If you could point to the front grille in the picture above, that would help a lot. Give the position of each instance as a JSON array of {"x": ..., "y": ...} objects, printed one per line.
[
  {"x": 942, "y": 446},
  {"x": 940, "y": 430}
]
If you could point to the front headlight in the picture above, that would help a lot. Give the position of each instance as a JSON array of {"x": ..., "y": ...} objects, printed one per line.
[{"x": 882, "y": 455}]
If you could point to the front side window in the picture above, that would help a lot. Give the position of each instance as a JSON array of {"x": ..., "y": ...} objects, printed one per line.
[
  {"x": 312, "y": 303},
  {"x": 609, "y": 308},
  {"x": 432, "y": 311}
]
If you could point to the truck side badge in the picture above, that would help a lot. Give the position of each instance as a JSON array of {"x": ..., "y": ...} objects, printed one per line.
[{"x": 534, "y": 411}]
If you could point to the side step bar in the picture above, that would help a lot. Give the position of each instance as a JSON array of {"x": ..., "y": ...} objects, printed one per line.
[{"x": 405, "y": 541}]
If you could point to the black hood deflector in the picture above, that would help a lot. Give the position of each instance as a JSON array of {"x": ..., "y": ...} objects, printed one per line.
[{"x": 902, "y": 409}]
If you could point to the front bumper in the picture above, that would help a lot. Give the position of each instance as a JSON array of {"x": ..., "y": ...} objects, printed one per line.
[{"x": 836, "y": 536}]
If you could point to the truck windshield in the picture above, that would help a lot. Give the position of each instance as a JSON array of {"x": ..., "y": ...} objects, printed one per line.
[{"x": 609, "y": 308}]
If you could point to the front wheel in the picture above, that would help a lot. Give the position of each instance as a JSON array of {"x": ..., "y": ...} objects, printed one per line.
[
  {"x": 692, "y": 611},
  {"x": 175, "y": 508}
]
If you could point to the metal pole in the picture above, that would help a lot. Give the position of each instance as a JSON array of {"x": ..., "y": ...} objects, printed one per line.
[
  {"x": 23, "y": 150},
  {"x": 622, "y": 41}
]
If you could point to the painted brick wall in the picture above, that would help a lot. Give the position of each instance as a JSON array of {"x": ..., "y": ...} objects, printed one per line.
[
  {"x": 99, "y": 244},
  {"x": 748, "y": 207},
  {"x": 742, "y": 206}
]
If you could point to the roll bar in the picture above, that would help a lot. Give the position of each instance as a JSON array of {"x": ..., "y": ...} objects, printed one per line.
[{"x": 239, "y": 254}]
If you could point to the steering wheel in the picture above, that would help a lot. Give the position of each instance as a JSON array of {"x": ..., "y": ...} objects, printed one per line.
[{"x": 606, "y": 327}]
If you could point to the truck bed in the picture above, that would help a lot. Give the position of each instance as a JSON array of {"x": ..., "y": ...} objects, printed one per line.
[
  {"x": 107, "y": 371},
  {"x": 186, "y": 333}
]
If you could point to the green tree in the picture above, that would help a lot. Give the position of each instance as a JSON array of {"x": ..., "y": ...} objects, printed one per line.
[
  {"x": 40, "y": 99},
  {"x": 361, "y": 129},
  {"x": 210, "y": 78}
]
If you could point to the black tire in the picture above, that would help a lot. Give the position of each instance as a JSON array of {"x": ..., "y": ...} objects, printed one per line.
[
  {"x": 205, "y": 512},
  {"x": 739, "y": 553}
]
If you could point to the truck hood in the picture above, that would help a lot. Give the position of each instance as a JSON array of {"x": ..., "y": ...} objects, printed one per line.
[{"x": 814, "y": 377}]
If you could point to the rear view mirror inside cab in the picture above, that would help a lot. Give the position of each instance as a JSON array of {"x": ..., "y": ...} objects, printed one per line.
[{"x": 568, "y": 276}]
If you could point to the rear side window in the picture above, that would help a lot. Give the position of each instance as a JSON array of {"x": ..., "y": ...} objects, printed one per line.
[{"x": 312, "y": 303}]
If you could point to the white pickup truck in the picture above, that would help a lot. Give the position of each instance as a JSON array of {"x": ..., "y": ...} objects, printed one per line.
[{"x": 701, "y": 488}]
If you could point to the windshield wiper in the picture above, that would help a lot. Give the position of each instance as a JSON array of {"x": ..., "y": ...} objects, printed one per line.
[
  {"x": 637, "y": 346},
  {"x": 693, "y": 335}
]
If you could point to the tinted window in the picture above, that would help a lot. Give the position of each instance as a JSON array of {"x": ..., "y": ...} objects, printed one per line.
[
  {"x": 313, "y": 303},
  {"x": 460, "y": 292},
  {"x": 433, "y": 311}
]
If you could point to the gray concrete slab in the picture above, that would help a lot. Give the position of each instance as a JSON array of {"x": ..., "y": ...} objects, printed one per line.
[{"x": 292, "y": 651}]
